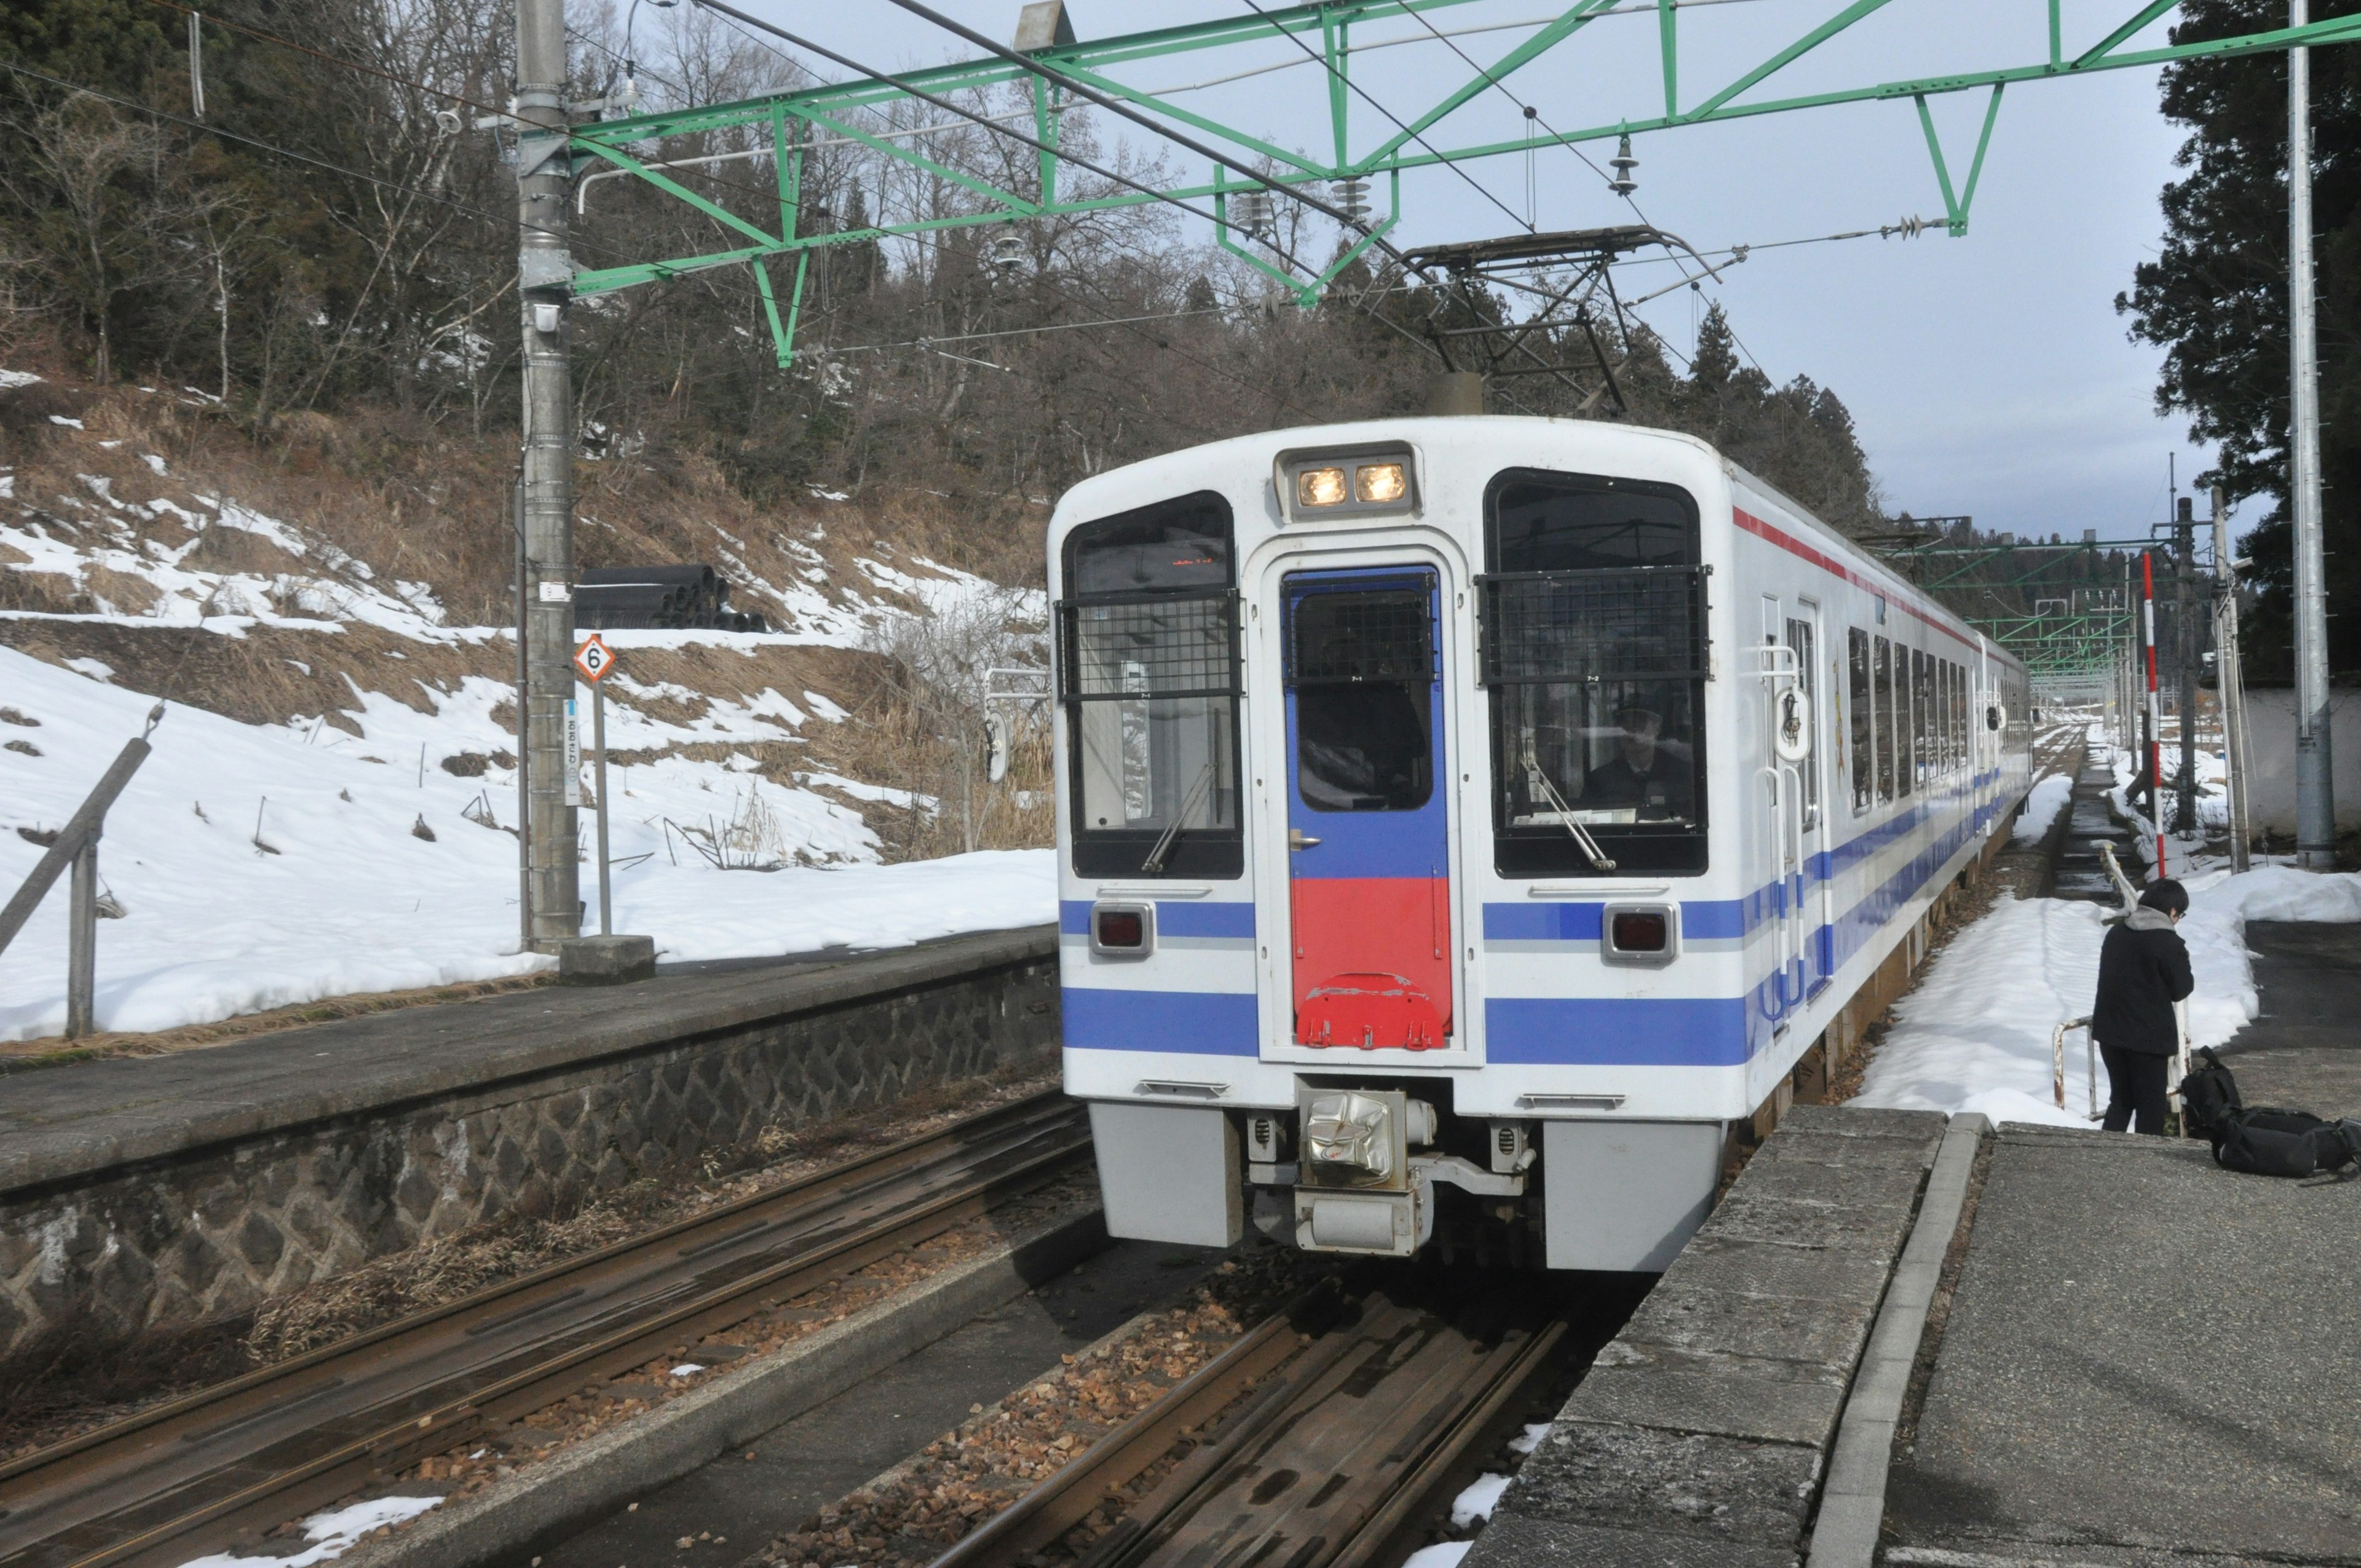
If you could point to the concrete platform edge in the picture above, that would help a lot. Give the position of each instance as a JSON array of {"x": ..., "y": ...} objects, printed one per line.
[
  {"x": 32, "y": 1159},
  {"x": 591, "y": 1479},
  {"x": 1853, "y": 1499}
]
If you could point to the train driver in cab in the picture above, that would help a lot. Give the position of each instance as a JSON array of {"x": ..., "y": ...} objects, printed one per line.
[{"x": 1642, "y": 773}]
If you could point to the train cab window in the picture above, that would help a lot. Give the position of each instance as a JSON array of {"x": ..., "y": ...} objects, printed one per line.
[
  {"x": 1888, "y": 722},
  {"x": 1862, "y": 719},
  {"x": 1593, "y": 647},
  {"x": 1360, "y": 670},
  {"x": 1147, "y": 677}
]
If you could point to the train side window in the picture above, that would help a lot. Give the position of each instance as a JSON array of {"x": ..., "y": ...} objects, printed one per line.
[
  {"x": 1148, "y": 677},
  {"x": 1593, "y": 647},
  {"x": 1922, "y": 714},
  {"x": 1943, "y": 757},
  {"x": 1886, "y": 723},
  {"x": 1863, "y": 720},
  {"x": 1957, "y": 713}
]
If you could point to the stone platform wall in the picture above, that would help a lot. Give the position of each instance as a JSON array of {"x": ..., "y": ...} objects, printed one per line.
[{"x": 176, "y": 1202}]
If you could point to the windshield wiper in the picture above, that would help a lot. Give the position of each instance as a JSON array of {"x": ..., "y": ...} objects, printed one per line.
[
  {"x": 1154, "y": 864},
  {"x": 1581, "y": 838}
]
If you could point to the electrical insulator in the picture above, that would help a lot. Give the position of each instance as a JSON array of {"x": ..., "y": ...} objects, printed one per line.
[
  {"x": 1353, "y": 196},
  {"x": 1007, "y": 253},
  {"x": 1250, "y": 210},
  {"x": 1623, "y": 163}
]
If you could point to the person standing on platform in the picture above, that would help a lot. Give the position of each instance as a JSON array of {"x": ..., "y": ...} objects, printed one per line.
[{"x": 2142, "y": 970}]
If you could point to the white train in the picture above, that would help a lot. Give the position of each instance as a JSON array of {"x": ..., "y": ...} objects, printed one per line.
[{"x": 1464, "y": 821}]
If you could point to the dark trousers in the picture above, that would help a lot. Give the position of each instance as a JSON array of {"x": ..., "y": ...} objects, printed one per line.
[{"x": 2135, "y": 1085}]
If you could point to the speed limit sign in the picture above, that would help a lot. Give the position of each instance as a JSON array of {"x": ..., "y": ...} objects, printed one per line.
[{"x": 594, "y": 659}]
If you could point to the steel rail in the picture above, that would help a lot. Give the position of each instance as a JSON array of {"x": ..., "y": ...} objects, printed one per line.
[
  {"x": 1416, "y": 1401},
  {"x": 167, "y": 1484}
]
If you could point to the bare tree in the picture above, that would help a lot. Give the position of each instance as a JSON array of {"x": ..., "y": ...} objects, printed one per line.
[{"x": 89, "y": 180}]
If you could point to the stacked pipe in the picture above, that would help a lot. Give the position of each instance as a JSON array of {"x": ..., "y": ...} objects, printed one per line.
[{"x": 669, "y": 599}]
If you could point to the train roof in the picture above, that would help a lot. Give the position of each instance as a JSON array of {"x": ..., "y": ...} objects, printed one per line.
[{"x": 1134, "y": 484}]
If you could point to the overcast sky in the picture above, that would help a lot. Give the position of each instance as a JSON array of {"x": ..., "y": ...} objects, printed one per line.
[{"x": 1988, "y": 374}]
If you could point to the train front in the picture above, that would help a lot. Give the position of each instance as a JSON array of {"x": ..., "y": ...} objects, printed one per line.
[{"x": 1388, "y": 918}]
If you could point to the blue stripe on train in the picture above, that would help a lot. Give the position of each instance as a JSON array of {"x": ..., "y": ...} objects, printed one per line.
[
  {"x": 1613, "y": 1031},
  {"x": 1205, "y": 1022},
  {"x": 1174, "y": 918}
]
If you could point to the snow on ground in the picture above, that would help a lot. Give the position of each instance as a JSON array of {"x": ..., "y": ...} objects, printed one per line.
[
  {"x": 1442, "y": 1554},
  {"x": 2042, "y": 805},
  {"x": 332, "y": 1534},
  {"x": 1477, "y": 1501},
  {"x": 261, "y": 866},
  {"x": 1975, "y": 1035}
]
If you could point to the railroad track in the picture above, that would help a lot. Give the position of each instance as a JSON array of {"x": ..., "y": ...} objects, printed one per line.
[
  {"x": 196, "y": 1475},
  {"x": 1327, "y": 1437}
]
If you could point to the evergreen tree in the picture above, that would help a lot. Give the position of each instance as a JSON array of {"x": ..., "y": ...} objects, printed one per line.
[{"x": 2215, "y": 300}]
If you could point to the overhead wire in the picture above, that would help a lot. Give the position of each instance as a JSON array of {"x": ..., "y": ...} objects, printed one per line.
[
  {"x": 1534, "y": 113},
  {"x": 220, "y": 21},
  {"x": 990, "y": 125},
  {"x": 1399, "y": 124}
]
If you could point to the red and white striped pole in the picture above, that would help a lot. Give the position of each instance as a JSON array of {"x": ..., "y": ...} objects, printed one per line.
[{"x": 2155, "y": 713}]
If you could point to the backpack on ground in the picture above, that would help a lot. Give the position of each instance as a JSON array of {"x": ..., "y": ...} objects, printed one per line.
[{"x": 2261, "y": 1140}]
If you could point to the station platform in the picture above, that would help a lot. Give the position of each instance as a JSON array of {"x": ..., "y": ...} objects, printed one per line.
[
  {"x": 146, "y": 1197},
  {"x": 2148, "y": 1360},
  {"x": 1902, "y": 1342}
]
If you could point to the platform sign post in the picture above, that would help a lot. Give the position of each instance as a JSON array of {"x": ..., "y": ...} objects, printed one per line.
[{"x": 594, "y": 659}]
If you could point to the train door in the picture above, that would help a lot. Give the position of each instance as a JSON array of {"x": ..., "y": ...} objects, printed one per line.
[
  {"x": 1816, "y": 896},
  {"x": 1367, "y": 810},
  {"x": 1779, "y": 801}
]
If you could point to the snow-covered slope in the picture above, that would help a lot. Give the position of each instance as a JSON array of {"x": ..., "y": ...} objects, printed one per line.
[
  {"x": 360, "y": 835},
  {"x": 254, "y": 870}
]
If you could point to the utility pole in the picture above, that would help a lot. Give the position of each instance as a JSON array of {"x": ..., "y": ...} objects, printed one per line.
[
  {"x": 544, "y": 286},
  {"x": 2185, "y": 641},
  {"x": 2230, "y": 681},
  {"x": 2315, "y": 789}
]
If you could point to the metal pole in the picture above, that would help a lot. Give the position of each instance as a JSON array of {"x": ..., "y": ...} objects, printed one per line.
[
  {"x": 598, "y": 739},
  {"x": 544, "y": 273},
  {"x": 2155, "y": 716},
  {"x": 2184, "y": 637},
  {"x": 523, "y": 751},
  {"x": 81, "y": 942},
  {"x": 2315, "y": 789},
  {"x": 2231, "y": 682}
]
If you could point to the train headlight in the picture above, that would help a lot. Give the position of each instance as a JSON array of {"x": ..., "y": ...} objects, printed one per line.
[
  {"x": 1320, "y": 488},
  {"x": 1381, "y": 483},
  {"x": 1352, "y": 482}
]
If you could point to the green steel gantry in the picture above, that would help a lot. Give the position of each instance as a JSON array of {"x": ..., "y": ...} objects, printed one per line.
[
  {"x": 787, "y": 119},
  {"x": 2078, "y": 623}
]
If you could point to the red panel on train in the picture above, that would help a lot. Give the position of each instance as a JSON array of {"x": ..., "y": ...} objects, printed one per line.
[{"x": 1373, "y": 962}]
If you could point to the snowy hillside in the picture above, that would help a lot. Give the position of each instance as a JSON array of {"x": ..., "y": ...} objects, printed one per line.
[{"x": 331, "y": 803}]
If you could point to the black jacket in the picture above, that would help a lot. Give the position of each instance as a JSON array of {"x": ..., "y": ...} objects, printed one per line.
[{"x": 2142, "y": 970}]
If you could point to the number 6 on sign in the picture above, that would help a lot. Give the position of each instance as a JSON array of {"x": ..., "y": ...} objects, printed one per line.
[{"x": 594, "y": 659}]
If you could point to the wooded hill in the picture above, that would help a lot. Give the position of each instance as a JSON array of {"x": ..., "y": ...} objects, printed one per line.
[{"x": 320, "y": 245}]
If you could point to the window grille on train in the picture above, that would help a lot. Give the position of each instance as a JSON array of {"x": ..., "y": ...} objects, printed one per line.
[
  {"x": 1592, "y": 641},
  {"x": 1148, "y": 677}
]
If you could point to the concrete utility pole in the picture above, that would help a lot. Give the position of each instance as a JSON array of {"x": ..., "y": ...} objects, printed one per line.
[
  {"x": 544, "y": 285},
  {"x": 2187, "y": 651},
  {"x": 2315, "y": 789},
  {"x": 2230, "y": 683}
]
